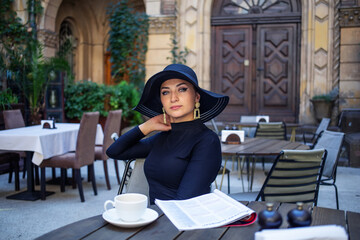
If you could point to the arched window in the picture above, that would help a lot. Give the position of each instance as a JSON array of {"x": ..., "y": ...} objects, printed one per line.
[
  {"x": 257, "y": 6},
  {"x": 67, "y": 44},
  {"x": 225, "y": 11}
]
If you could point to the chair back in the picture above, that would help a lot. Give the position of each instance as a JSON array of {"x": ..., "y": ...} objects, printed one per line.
[
  {"x": 85, "y": 143},
  {"x": 272, "y": 130},
  {"x": 137, "y": 182},
  {"x": 257, "y": 118},
  {"x": 245, "y": 118},
  {"x": 332, "y": 142},
  {"x": 294, "y": 177},
  {"x": 13, "y": 119},
  {"x": 112, "y": 125},
  {"x": 250, "y": 131},
  {"x": 324, "y": 124}
]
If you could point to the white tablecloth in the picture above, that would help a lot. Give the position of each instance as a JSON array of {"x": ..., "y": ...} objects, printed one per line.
[{"x": 45, "y": 143}]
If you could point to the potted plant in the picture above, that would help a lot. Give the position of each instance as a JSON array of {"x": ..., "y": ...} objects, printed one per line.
[{"x": 323, "y": 104}]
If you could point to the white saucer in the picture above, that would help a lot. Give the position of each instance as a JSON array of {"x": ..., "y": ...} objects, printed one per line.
[{"x": 149, "y": 216}]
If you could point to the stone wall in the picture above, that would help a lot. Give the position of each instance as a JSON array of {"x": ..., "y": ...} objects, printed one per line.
[
  {"x": 350, "y": 58},
  {"x": 330, "y": 42}
]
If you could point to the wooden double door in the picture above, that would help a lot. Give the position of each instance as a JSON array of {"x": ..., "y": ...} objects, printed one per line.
[{"x": 257, "y": 66}]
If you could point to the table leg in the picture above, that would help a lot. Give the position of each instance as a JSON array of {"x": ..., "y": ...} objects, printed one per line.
[
  {"x": 240, "y": 168},
  {"x": 252, "y": 172},
  {"x": 293, "y": 134},
  {"x": 223, "y": 173},
  {"x": 30, "y": 194}
]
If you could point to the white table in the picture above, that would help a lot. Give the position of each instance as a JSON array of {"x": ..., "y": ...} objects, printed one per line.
[{"x": 43, "y": 143}]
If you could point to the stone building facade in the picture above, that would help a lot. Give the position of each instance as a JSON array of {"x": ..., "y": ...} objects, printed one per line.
[{"x": 328, "y": 47}]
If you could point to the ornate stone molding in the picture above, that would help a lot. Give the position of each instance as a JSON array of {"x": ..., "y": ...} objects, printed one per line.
[
  {"x": 350, "y": 17},
  {"x": 166, "y": 24},
  {"x": 336, "y": 57},
  {"x": 49, "y": 38}
]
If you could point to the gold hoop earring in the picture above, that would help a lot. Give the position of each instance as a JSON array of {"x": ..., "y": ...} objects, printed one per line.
[
  {"x": 197, "y": 111},
  {"x": 164, "y": 115}
]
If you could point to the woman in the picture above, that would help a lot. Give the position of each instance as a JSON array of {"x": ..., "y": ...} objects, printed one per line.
[{"x": 184, "y": 158}]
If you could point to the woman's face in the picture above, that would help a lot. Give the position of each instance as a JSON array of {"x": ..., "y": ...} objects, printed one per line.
[{"x": 178, "y": 98}]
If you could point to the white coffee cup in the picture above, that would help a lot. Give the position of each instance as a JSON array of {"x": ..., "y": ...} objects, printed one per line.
[{"x": 129, "y": 206}]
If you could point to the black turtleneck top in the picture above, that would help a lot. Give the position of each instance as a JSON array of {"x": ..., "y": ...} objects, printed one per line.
[{"x": 180, "y": 163}]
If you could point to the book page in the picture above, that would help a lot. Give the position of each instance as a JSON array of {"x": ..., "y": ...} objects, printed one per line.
[{"x": 206, "y": 211}]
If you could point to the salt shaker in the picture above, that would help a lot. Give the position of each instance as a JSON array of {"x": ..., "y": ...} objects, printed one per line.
[
  {"x": 269, "y": 218},
  {"x": 299, "y": 217}
]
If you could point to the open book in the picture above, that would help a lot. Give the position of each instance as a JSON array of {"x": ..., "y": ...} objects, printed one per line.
[{"x": 206, "y": 211}]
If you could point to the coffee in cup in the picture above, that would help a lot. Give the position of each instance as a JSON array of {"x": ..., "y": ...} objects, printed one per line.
[{"x": 129, "y": 207}]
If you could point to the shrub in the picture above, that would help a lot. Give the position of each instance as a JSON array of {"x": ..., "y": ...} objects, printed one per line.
[
  {"x": 86, "y": 96},
  {"x": 7, "y": 98}
]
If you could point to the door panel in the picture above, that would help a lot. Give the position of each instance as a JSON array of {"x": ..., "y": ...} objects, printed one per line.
[
  {"x": 267, "y": 85},
  {"x": 276, "y": 83},
  {"x": 232, "y": 70}
]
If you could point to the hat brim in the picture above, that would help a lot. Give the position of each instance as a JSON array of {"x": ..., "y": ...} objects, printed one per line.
[{"x": 211, "y": 104}]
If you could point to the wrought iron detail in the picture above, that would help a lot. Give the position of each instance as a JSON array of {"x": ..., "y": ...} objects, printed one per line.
[{"x": 236, "y": 7}]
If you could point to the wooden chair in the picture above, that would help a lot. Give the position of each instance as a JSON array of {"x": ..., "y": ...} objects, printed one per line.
[
  {"x": 14, "y": 119},
  {"x": 11, "y": 158},
  {"x": 294, "y": 177},
  {"x": 83, "y": 156},
  {"x": 112, "y": 125},
  {"x": 332, "y": 142}
]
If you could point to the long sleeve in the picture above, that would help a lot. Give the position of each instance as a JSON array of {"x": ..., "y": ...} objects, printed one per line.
[
  {"x": 202, "y": 169},
  {"x": 180, "y": 163},
  {"x": 183, "y": 162},
  {"x": 130, "y": 145}
]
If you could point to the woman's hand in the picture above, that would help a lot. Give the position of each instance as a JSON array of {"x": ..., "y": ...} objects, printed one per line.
[{"x": 155, "y": 124}]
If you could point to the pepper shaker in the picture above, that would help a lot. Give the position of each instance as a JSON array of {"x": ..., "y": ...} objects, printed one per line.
[
  {"x": 269, "y": 218},
  {"x": 299, "y": 217}
]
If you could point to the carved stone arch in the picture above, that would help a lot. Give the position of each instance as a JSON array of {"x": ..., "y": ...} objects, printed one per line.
[{"x": 50, "y": 11}]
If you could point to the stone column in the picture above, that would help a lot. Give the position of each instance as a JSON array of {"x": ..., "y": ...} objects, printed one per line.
[{"x": 317, "y": 53}]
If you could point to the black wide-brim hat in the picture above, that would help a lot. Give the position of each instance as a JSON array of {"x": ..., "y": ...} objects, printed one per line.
[{"x": 211, "y": 104}]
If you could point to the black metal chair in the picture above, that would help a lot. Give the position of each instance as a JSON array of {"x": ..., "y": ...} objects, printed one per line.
[
  {"x": 332, "y": 142},
  {"x": 270, "y": 130},
  {"x": 294, "y": 177},
  {"x": 310, "y": 138}
]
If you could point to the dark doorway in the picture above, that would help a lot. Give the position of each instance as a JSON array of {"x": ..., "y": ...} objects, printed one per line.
[{"x": 256, "y": 57}]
